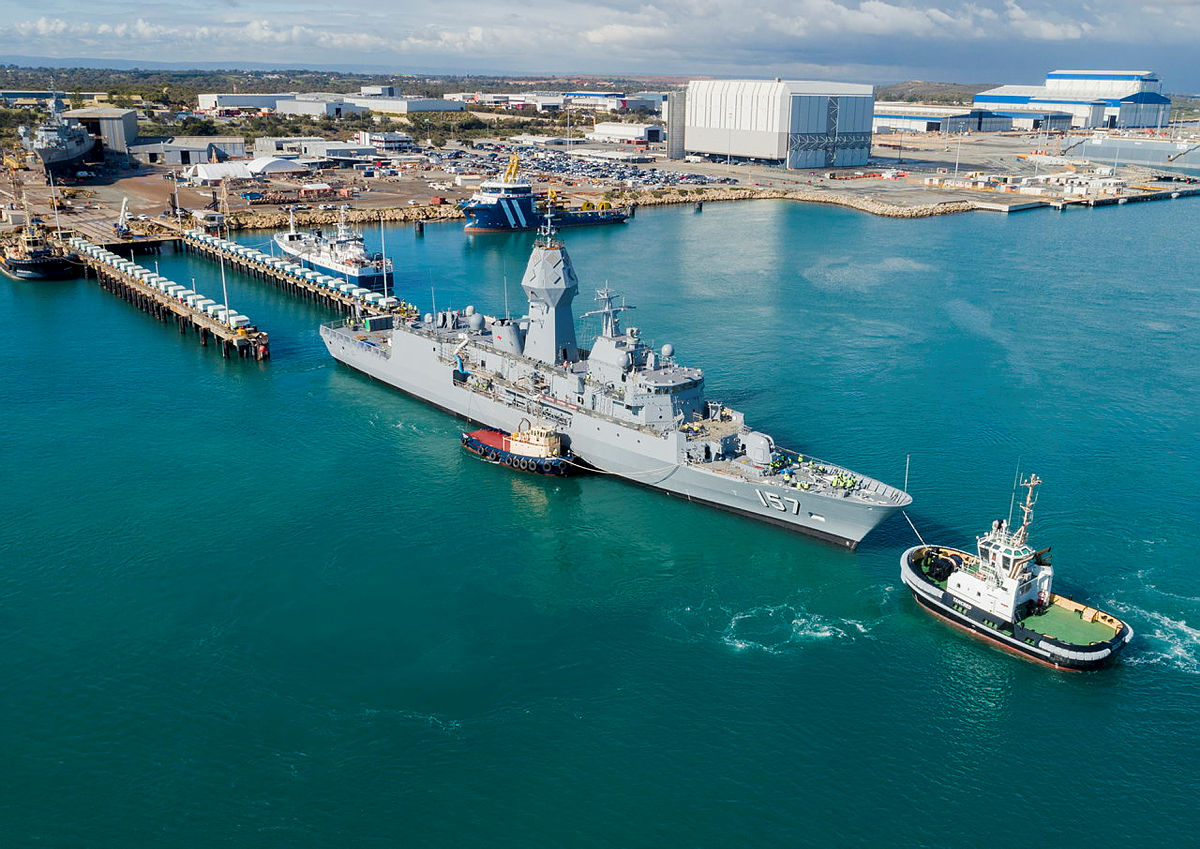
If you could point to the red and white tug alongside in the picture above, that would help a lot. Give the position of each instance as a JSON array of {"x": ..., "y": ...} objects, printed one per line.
[{"x": 537, "y": 449}]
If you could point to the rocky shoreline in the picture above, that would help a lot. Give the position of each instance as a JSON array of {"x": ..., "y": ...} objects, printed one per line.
[
  {"x": 864, "y": 204},
  {"x": 273, "y": 219}
]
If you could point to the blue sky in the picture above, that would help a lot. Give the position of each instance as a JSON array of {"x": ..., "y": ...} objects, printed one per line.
[{"x": 874, "y": 41}]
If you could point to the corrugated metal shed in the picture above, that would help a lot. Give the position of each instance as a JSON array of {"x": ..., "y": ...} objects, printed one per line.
[{"x": 801, "y": 124}]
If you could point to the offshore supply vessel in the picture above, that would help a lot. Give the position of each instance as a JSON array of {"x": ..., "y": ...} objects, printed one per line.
[
  {"x": 1003, "y": 593},
  {"x": 621, "y": 406},
  {"x": 342, "y": 255},
  {"x": 508, "y": 203}
]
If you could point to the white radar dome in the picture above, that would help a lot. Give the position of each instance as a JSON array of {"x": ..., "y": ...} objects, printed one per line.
[{"x": 668, "y": 351}]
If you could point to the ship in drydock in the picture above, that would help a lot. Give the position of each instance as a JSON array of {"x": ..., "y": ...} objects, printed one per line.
[
  {"x": 621, "y": 406},
  {"x": 342, "y": 255},
  {"x": 59, "y": 142}
]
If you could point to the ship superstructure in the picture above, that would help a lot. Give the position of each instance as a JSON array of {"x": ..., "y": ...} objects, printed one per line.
[
  {"x": 342, "y": 254},
  {"x": 620, "y": 405}
]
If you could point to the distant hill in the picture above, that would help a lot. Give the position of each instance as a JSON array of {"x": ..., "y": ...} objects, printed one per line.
[{"x": 919, "y": 91}]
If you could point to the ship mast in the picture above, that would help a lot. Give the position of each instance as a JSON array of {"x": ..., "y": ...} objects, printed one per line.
[
  {"x": 609, "y": 312},
  {"x": 1027, "y": 508}
]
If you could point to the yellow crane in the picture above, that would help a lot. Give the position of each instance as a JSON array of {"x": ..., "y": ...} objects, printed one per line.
[{"x": 510, "y": 173}]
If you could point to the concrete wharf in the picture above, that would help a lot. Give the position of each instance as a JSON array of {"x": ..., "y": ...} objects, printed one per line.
[
  {"x": 168, "y": 301},
  {"x": 310, "y": 284}
]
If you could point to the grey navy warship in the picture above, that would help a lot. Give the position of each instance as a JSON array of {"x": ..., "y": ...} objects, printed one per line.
[{"x": 621, "y": 406}]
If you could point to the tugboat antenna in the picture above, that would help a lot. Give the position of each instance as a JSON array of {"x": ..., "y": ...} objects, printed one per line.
[{"x": 1012, "y": 502}]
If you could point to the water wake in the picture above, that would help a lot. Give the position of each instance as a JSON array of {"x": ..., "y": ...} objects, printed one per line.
[
  {"x": 427, "y": 719},
  {"x": 1163, "y": 641},
  {"x": 772, "y": 629}
]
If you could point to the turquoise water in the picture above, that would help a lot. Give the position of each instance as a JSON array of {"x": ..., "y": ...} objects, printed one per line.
[{"x": 276, "y": 604}]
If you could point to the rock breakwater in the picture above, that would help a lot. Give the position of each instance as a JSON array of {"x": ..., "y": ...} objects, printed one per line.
[
  {"x": 665, "y": 197},
  {"x": 274, "y": 219}
]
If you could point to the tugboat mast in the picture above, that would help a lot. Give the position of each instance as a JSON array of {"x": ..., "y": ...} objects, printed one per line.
[{"x": 1031, "y": 484}]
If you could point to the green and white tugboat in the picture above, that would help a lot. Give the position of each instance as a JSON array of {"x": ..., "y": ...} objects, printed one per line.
[{"x": 1003, "y": 594}]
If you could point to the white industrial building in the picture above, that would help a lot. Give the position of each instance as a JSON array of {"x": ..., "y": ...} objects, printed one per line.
[
  {"x": 389, "y": 142},
  {"x": 325, "y": 103},
  {"x": 217, "y": 102},
  {"x": 923, "y": 118},
  {"x": 404, "y": 105},
  {"x": 1092, "y": 98},
  {"x": 796, "y": 124},
  {"x": 615, "y": 131},
  {"x": 284, "y": 146},
  {"x": 317, "y": 105}
]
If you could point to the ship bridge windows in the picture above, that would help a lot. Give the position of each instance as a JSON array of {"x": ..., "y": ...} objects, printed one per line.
[{"x": 672, "y": 388}]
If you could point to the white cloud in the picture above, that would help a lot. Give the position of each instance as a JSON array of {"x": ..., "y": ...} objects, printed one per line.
[
  {"x": 879, "y": 39},
  {"x": 1044, "y": 29}
]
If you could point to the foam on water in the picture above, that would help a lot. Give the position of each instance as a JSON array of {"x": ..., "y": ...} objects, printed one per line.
[
  {"x": 1165, "y": 641},
  {"x": 769, "y": 628}
]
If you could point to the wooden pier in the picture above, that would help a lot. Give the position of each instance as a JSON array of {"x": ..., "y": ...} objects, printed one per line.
[
  {"x": 307, "y": 289},
  {"x": 244, "y": 342}
]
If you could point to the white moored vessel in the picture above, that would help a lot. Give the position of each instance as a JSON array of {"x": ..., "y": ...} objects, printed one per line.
[{"x": 341, "y": 255}]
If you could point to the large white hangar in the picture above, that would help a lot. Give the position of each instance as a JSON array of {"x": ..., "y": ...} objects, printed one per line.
[{"x": 797, "y": 124}]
